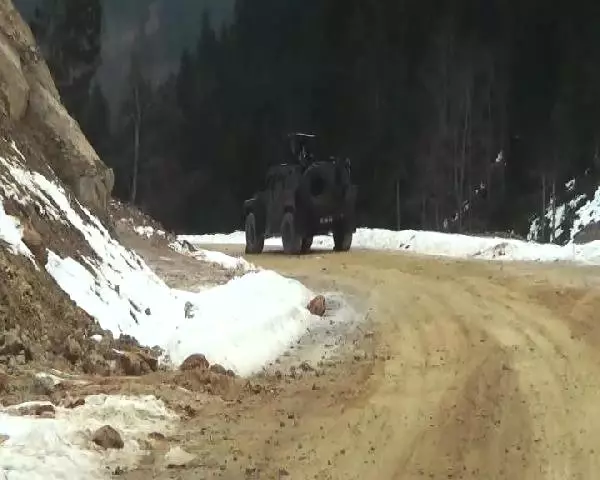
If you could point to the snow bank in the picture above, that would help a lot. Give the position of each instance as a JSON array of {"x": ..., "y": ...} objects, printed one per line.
[
  {"x": 218, "y": 258},
  {"x": 438, "y": 244},
  {"x": 61, "y": 448},
  {"x": 238, "y": 325}
]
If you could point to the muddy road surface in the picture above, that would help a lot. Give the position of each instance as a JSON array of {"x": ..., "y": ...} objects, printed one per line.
[{"x": 460, "y": 370}]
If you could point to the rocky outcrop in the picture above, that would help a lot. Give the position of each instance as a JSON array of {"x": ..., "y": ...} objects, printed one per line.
[{"x": 29, "y": 97}]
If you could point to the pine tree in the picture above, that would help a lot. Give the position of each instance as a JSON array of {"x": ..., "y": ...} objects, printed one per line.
[{"x": 69, "y": 34}]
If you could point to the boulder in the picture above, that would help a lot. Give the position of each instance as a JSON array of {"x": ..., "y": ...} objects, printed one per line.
[
  {"x": 3, "y": 382},
  {"x": 317, "y": 306},
  {"x": 45, "y": 410},
  {"x": 137, "y": 362},
  {"x": 34, "y": 242},
  {"x": 218, "y": 369},
  {"x": 194, "y": 361},
  {"x": 108, "y": 438},
  {"x": 73, "y": 350},
  {"x": 71, "y": 156}
]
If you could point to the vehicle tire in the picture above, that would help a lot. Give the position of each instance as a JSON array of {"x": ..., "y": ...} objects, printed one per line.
[
  {"x": 292, "y": 242},
  {"x": 342, "y": 239},
  {"x": 255, "y": 242},
  {"x": 307, "y": 244}
]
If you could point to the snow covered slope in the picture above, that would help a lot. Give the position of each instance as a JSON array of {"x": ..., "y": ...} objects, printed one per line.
[
  {"x": 241, "y": 325},
  {"x": 577, "y": 208},
  {"x": 435, "y": 243}
]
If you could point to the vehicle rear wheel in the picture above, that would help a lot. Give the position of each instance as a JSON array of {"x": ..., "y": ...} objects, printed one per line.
[
  {"x": 342, "y": 239},
  {"x": 255, "y": 242},
  {"x": 307, "y": 244},
  {"x": 292, "y": 242}
]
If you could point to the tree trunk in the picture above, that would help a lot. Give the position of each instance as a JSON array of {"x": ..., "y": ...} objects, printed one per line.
[
  {"x": 398, "y": 205},
  {"x": 137, "y": 119},
  {"x": 543, "y": 211},
  {"x": 553, "y": 231}
]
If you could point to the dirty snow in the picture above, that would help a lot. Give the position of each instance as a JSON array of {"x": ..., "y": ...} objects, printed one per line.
[
  {"x": 148, "y": 231},
  {"x": 11, "y": 234},
  {"x": 61, "y": 448},
  {"x": 240, "y": 325},
  {"x": 437, "y": 244},
  {"x": 218, "y": 258}
]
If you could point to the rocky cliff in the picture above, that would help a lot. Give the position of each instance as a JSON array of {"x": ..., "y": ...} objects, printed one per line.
[{"x": 30, "y": 105}]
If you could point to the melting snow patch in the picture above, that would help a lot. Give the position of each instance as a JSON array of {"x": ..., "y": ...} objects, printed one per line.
[
  {"x": 61, "y": 448},
  {"x": 218, "y": 258}
]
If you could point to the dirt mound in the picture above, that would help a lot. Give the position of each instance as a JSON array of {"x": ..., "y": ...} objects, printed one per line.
[{"x": 131, "y": 217}]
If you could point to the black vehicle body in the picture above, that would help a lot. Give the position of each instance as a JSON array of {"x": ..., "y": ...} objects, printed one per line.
[{"x": 301, "y": 199}]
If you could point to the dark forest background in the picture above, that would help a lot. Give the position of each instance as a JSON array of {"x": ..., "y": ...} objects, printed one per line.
[{"x": 462, "y": 116}]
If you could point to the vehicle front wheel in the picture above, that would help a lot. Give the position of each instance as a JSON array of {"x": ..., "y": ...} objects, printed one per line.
[
  {"x": 292, "y": 242},
  {"x": 255, "y": 241},
  {"x": 307, "y": 244},
  {"x": 342, "y": 239}
]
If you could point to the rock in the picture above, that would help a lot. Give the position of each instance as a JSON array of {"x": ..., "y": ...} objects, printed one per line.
[
  {"x": 197, "y": 360},
  {"x": 189, "y": 309},
  {"x": 218, "y": 369},
  {"x": 178, "y": 457},
  {"x": 45, "y": 410},
  {"x": 150, "y": 360},
  {"x": 132, "y": 364},
  {"x": 108, "y": 438},
  {"x": 73, "y": 350},
  {"x": 96, "y": 364},
  {"x": 127, "y": 341},
  {"x": 3, "y": 439},
  {"x": 10, "y": 343},
  {"x": 306, "y": 367},
  {"x": 34, "y": 242},
  {"x": 43, "y": 385},
  {"x": 14, "y": 89},
  {"x": 317, "y": 306},
  {"x": 3, "y": 382},
  {"x": 71, "y": 156},
  {"x": 74, "y": 402}
]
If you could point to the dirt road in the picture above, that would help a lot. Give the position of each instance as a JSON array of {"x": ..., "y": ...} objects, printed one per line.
[{"x": 464, "y": 370}]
